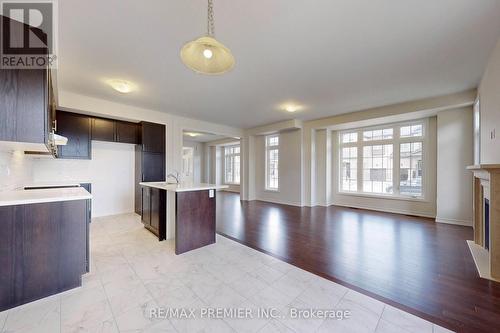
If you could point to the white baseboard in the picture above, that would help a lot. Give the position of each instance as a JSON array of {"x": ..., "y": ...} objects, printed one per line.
[
  {"x": 279, "y": 202},
  {"x": 394, "y": 211},
  {"x": 230, "y": 190},
  {"x": 466, "y": 223}
]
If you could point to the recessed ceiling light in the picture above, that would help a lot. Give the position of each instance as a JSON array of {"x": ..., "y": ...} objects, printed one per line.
[
  {"x": 122, "y": 86},
  {"x": 192, "y": 134}
]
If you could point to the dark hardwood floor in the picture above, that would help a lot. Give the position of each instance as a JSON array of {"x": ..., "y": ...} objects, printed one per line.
[{"x": 412, "y": 263}]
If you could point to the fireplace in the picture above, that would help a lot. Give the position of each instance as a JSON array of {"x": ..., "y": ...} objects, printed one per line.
[
  {"x": 485, "y": 248},
  {"x": 487, "y": 224}
]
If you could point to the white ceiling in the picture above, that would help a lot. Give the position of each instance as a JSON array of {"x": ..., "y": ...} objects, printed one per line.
[{"x": 333, "y": 56}]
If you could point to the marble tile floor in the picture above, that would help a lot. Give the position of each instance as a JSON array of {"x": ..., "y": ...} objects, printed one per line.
[{"x": 134, "y": 276}]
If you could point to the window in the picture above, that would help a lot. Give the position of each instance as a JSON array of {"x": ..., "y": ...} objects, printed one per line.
[
  {"x": 232, "y": 164},
  {"x": 272, "y": 162},
  {"x": 373, "y": 165},
  {"x": 410, "y": 173},
  {"x": 381, "y": 134},
  {"x": 377, "y": 169},
  {"x": 349, "y": 169},
  {"x": 411, "y": 131},
  {"x": 349, "y": 137}
]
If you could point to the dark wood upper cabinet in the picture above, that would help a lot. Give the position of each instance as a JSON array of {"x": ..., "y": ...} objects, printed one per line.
[
  {"x": 24, "y": 99},
  {"x": 23, "y": 105},
  {"x": 153, "y": 167},
  {"x": 115, "y": 131},
  {"x": 77, "y": 129},
  {"x": 103, "y": 129},
  {"x": 153, "y": 138},
  {"x": 127, "y": 132}
]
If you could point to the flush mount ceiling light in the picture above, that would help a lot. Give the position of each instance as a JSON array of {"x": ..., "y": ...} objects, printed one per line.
[
  {"x": 122, "y": 86},
  {"x": 291, "y": 107},
  {"x": 206, "y": 55}
]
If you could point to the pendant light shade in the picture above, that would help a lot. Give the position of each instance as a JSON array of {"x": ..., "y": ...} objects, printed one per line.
[{"x": 206, "y": 55}]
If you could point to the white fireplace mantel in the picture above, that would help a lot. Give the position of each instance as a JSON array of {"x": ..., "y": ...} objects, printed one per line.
[{"x": 486, "y": 186}]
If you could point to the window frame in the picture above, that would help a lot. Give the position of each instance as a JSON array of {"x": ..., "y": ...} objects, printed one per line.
[
  {"x": 231, "y": 156},
  {"x": 268, "y": 149},
  {"x": 396, "y": 141}
]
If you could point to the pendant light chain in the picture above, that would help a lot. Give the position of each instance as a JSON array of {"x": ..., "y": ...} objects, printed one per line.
[{"x": 210, "y": 19}]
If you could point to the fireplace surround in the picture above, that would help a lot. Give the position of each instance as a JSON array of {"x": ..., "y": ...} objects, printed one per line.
[{"x": 485, "y": 247}]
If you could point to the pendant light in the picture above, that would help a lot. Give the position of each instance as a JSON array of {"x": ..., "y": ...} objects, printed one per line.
[{"x": 206, "y": 55}]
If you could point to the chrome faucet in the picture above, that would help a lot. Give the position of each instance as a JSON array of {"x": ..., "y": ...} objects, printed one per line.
[{"x": 175, "y": 176}]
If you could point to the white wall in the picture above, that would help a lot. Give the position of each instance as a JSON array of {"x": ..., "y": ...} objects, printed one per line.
[
  {"x": 455, "y": 153},
  {"x": 198, "y": 160},
  {"x": 289, "y": 169},
  {"x": 15, "y": 170},
  {"x": 489, "y": 93},
  {"x": 322, "y": 186},
  {"x": 111, "y": 172}
]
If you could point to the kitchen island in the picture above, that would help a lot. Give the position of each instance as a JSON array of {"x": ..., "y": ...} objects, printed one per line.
[{"x": 194, "y": 218}]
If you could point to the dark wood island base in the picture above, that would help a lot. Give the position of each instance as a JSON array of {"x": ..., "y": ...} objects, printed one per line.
[
  {"x": 194, "y": 216},
  {"x": 194, "y": 220}
]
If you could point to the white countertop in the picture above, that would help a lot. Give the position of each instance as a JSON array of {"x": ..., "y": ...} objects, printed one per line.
[
  {"x": 54, "y": 184},
  {"x": 24, "y": 197},
  {"x": 183, "y": 187}
]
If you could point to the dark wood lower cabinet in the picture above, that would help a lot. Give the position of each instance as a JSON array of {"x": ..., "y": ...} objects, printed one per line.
[
  {"x": 88, "y": 188},
  {"x": 154, "y": 211},
  {"x": 42, "y": 251}
]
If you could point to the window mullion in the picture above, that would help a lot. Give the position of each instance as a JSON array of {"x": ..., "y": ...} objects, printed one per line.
[
  {"x": 360, "y": 162},
  {"x": 396, "y": 173}
]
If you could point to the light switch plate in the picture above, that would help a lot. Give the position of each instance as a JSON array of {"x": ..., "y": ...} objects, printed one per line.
[{"x": 211, "y": 193}]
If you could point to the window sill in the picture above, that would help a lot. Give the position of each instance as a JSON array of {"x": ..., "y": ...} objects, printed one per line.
[
  {"x": 271, "y": 190},
  {"x": 234, "y": 184},
  {"x": 381, "y": 196}
]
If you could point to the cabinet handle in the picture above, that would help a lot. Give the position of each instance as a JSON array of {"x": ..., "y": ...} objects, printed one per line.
[{"x": 55, "y": 125}]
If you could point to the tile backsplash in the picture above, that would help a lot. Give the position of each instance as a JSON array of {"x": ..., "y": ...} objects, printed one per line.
[{"x": 15, "y": 170}]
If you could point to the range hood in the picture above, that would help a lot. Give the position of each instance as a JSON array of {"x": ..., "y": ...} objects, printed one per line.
[
  {"x": 54, "y": 141},
  {"x": 58, "y": 140}
]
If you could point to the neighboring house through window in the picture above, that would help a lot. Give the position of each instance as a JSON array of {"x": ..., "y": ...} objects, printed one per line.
[{"x": 272, "y": 162}]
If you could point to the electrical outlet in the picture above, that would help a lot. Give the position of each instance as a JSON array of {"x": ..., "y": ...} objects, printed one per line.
[{"x": 493, "y": 134}]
